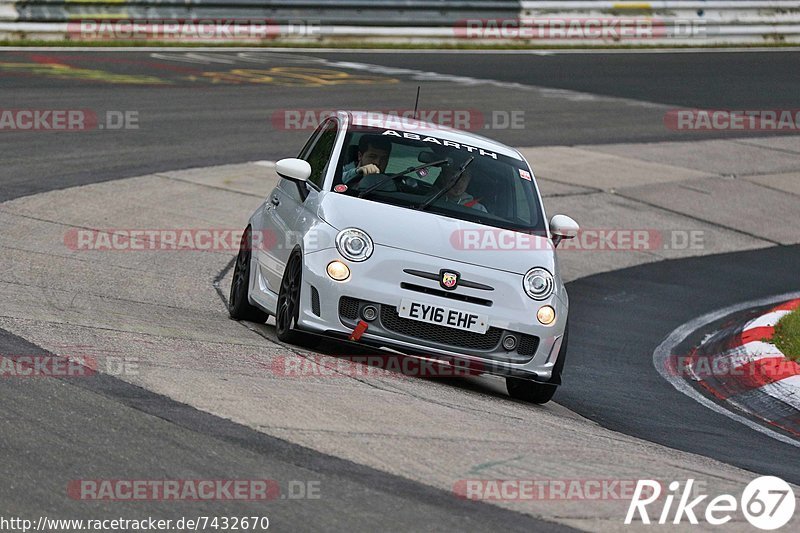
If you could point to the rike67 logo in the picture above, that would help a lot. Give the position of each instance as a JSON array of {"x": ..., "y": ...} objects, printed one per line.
[{"x": 767, "y": 502}]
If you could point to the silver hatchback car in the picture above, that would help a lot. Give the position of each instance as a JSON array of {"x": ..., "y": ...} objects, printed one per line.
[{"x": 413, "y": 237}]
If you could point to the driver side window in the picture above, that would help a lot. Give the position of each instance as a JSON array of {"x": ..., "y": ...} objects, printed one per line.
[{"x": 319, "y": 156}]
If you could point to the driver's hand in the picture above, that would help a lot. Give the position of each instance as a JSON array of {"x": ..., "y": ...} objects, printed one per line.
[{"x": 366, "y": 170}]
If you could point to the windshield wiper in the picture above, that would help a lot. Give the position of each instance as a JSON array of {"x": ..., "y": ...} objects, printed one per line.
[
  {"x": 456, "y": 179},
  {"x": 409, "y": 170}
]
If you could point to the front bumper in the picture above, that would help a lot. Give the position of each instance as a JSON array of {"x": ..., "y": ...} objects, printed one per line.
[{"x": 334, "y": 309}]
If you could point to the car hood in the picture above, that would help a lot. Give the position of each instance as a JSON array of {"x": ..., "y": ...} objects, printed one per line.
[{"x": 438, "y": 236}]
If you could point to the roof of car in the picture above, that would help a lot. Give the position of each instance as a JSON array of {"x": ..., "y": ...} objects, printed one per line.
[{"x": 390, "y": 121}]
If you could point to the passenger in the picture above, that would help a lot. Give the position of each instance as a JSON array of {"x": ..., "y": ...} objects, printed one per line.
[{"x": 458, "y": 194}]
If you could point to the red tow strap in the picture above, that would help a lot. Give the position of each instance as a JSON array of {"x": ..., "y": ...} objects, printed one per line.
[{"x": 360, "y": 329}]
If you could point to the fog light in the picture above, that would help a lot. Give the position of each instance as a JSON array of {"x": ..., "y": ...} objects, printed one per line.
[
  {"x": 509, "y": 342},
  {"x": 546, "y": 315},
  {"x": 338, "y": 270},
  {"x": 369, "y": 313}
]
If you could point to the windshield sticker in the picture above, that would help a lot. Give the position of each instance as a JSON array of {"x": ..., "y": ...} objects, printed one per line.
[
  {"x": 524, "y": 174},
  {"x": 440, "y": 142},
  {"x": 340, "y": 188}
]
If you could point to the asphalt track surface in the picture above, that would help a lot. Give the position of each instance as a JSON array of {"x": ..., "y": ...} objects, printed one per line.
[
  {"x": 193, "y": 119},
  {"x": 702, "y": 79},
  {"x": 617, "y": 319},
  {"x": 56, "y": 431}
]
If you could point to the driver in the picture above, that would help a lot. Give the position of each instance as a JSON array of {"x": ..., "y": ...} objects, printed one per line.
[
  {"x": 458, "y": 193},
  {"x": 373, "y": 156}
]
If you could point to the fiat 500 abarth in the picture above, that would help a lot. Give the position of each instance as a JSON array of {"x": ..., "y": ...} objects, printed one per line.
[{"x": 423, "y": 239}]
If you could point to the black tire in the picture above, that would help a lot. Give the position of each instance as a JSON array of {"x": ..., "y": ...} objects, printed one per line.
[
  {"x": 287, "y": 311},
  {"x": 530, "y": 391},
  {"x": 536, "y": 392},
  {"x": 239, "y": 306}
]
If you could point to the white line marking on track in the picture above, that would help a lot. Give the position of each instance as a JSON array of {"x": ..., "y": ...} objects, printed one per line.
[
  {"x": 429, "y": 76},
  {"x": 664, "y": 351},
  {"x": 413, "y": 74}
]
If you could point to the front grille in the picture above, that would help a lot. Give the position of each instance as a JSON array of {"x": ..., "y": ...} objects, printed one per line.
[
  {"x": 528, "y": 345},
  {"x": 315, "y": 308},
  {"x": 440, "y": 334},
  {"x": 348, "y": 307},
  {"x": 436, "y": 277},
  {"x": 446, "y": 294}
]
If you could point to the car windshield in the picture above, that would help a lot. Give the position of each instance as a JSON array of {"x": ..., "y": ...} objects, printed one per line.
[{"x": 411, "y": 169}]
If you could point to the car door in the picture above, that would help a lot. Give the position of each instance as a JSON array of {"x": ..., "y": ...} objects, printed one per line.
[{"x": 285, "y": 204}]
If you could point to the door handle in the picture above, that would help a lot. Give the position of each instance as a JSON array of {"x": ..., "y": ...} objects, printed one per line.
[{"x": 275, "y": 200}]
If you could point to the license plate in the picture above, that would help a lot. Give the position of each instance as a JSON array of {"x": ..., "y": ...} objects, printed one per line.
[{"x": 443, "y": 316}]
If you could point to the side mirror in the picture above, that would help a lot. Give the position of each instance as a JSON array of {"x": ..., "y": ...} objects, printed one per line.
[
  {"x": 563, "y": 227},
  {"x": 293, "y": 169}
]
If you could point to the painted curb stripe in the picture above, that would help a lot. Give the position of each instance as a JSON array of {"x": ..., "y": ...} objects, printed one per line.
[
  {"x": 757, "y": 334},
  {"x": 788, "y": 306},
  {"x": 753, "y": 361},
  {"x": 769, "y": 370},
  {"x": 766, "y": 320},
  {"x": 752, "y": 375},
  {"x": 754, "y": 370},
  {"x": 776, "y": 404}
]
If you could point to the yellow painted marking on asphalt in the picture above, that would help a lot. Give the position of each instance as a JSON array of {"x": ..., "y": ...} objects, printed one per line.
[
  {"x": 292, "y": 77},
  {"x": 632, "y": 5},
  {"x": 64, "y": 72},
  {"x": 98, "y": 16},
  {"x": 280, "y": 76}
]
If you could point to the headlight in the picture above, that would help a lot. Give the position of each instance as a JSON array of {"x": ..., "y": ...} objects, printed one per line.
[
  {"x": 338, "y": 270},
  {"x": 538, "y": 284},
  {"x": 354, "y": 244},
  {"x": 546, "y": 315}
]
